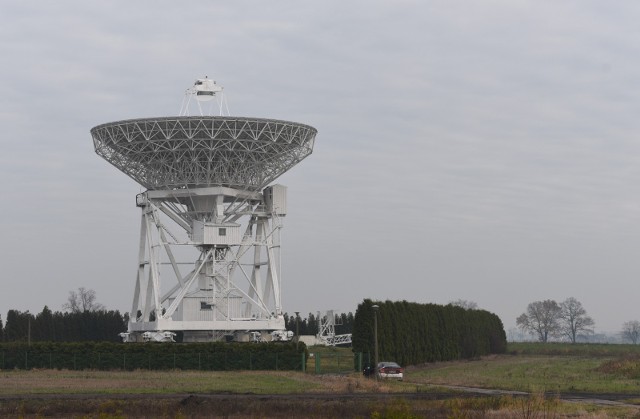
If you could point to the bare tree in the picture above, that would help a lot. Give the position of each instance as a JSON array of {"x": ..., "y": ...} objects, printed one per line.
[
  {"x": 541, "y": 319},
  {"x": 574, "y": 319},
  {"x": 631, "y": 331},
  {"x": 81, "y": 301},
  {"x": 466, "y": 304}
]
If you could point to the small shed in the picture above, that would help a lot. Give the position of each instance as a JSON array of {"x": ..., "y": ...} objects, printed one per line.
[{"x": 227, "y": 234}]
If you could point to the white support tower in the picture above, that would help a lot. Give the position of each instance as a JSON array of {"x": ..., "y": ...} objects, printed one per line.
[
  {"x": 209, "y": 253},
  {"x": 327, "y": 331}
]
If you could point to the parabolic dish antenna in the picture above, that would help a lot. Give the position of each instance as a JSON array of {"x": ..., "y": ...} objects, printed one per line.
[{"x": 207, "y": 190}]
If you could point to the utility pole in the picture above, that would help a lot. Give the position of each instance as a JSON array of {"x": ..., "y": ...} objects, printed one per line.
[
  {"x": 375, "y": 338},
  {"x": 297, "y": 329}
]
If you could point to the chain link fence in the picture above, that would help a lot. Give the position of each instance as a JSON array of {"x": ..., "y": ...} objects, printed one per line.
[{"x": 336, "y": 363}]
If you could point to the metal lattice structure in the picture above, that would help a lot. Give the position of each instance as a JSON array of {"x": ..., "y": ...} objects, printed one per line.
[
  {"x": 192, "y": 152},
  {"x": 327, "y": 331},
  {"x": 208, "y": 176}
]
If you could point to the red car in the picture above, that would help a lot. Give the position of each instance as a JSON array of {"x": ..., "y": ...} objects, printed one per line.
[{"x": 390, "y": 370}]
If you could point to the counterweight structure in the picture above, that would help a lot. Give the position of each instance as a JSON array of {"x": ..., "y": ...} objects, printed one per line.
[{"x": 207, "y": 193}]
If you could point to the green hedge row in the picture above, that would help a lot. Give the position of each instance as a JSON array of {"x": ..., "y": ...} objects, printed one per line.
[
  {"x": 215, "y": 356},
  {"x": 411, "y": 333}
]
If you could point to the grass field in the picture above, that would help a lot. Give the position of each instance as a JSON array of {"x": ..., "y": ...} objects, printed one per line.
[
  {"x": 530, "y": 373},
  {"x": 158, "y": 382},
  {"x": 595, "y": 350},
  {"x": 533, "y": 368}
]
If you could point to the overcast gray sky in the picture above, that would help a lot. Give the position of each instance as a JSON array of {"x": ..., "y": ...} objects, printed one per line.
[{"x": 479, "y": 150}]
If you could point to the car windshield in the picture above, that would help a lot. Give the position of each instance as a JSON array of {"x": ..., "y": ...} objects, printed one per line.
[{"x": 388, "y": 364}]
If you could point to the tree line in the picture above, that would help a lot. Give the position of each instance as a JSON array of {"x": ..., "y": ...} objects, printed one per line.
[
  {"x": 412, "y": 333},
  {"x": 547, "y": 319},
  {"x": 631, "y": 331},
  {"x": 311, "y": 324},
  {"x": 106, "y": 325},
  {"x": 48, "y": 326},
  {"x": 84, "y": 319},
  {"x": 567, "y": 320}
]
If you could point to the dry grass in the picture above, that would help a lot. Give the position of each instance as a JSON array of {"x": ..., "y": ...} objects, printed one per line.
[
  {"x": 626, "y": 366},
  {"x": 269, "y": 407},
  {"x": 163, "y": 382},
  {"x": 392, "y": 404}
]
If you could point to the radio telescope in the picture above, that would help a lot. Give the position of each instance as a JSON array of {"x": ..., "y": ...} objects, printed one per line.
[{"x": 209, "y": 250}]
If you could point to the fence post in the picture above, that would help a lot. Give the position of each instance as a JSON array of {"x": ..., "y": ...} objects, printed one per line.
[
  {"x": 304, "y": 362},
  {"x": 317, "y": 363}
]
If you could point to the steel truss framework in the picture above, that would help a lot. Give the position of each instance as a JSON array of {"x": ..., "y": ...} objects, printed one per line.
[
  {"x": 327, "y": 331},
  {"x": 197, "y": 171},
  {"x": 218, "y": 275},
  {"x": 179, "y": 152}
]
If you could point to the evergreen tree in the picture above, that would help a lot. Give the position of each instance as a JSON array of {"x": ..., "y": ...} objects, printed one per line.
[
  {"x": 17, "y": 326},
  {"x": 411, "y": 333},
  {"x": 312, "y": 325},
  {"x": 43, "y": 327}
]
